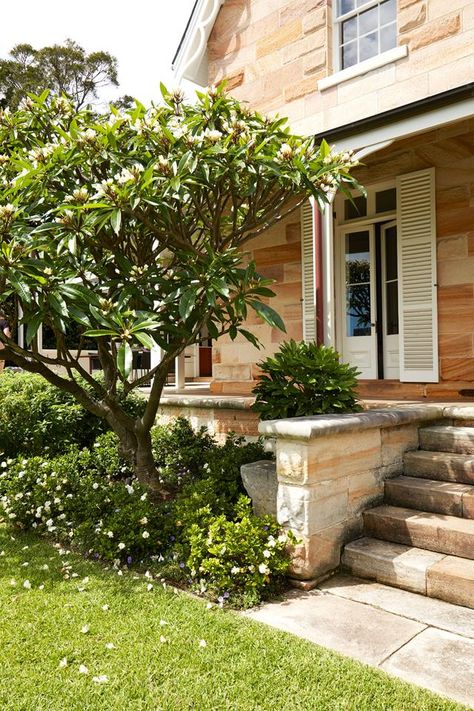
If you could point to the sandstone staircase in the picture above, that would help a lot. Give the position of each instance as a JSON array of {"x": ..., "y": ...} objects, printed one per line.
[{"x": 422, "y": 538}]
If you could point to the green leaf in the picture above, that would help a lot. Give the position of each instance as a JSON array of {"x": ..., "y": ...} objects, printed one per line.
[
  {"x": 268, "y": 314},
  {"x": 124, "y": 359},
  {"x": 116, "y": 220},
  {"x": 146, "y": 340},
  {"x": 32, "y": 327},
  {"x": 186, "y": 303},
  {"x": 94, "y": 333}
]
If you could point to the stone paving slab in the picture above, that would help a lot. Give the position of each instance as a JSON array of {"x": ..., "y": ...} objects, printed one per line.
[
  {"x": 349, "y": 627},
  {"x": 426, "y": 610},
  {"x": 424, "y": 641},
  {"x": 438, "y": 660}
]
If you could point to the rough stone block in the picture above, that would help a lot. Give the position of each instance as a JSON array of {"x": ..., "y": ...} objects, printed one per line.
[
  {"x": 433, "y": 32},
  {"x": 412, "y": 16},
  {"x": 390, "y": 563},
  {"x": 426, "y": 495},
  {"x": 396, "y": 441},
  {"x": 308, "y": 510},
  {"x": 282, "y": 37},
  {"x": 444, "y": 466},
  {"x": 261, "y": 484},
  {"x": 314, "y": 20},
  {"x": 314, "y": 556},
  {"x": 452, "y": 579}
]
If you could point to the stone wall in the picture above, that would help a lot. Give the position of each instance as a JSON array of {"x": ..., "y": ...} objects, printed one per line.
[
  {"x": 330, "y": 469},
  {"x": 273, "y": 52}
]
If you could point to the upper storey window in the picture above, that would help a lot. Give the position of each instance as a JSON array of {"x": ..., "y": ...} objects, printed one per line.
[{"x": 364, "y": 28}]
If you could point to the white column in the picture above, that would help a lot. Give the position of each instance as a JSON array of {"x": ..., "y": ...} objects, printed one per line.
[
  {"x": 179, "y": 371},
  {"x": 156, "y": 355},
  {"x": 328, "y": 277}
]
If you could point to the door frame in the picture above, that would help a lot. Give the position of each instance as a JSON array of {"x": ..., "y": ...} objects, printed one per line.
[
  {"x": 340, "y": 288},
  {"x": 384, "y": 335}
]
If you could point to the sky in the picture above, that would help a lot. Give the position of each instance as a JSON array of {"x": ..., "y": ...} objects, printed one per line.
[{"x": 142, "y": 34}]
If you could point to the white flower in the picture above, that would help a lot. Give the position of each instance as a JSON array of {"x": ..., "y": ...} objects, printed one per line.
[
  {"x": 110, "y": 645},
  {"x": 163, "y": 623},
  {"x": 110, "y": 534},
  {"x": 85, "y": 580},
  {"x": 95, "y": 485},
  {"x": 202, "y": 643},
  {"x": 121, "y": 546},
  {"x": 209, "y": 606},
  {"x": 83, "y": 669},
  {"x": 235, "y": 570},
  {"x": 85, "y": 629},
  {"x": 27, "y": 584},
  {"x": 163, "y": 639},
  {"x": 144, "y": 520},
  {"x": 101, "y": 679},
  {"x": 62, "y": 663},
  {"x": 41, "y": 587},
  {"x": 129, "y": 488},
  {"x": 145, "y": 534},
  {"x": 266, "y": 554},
  {"x": 149, "y": 587},
  {"x": 105, "y": 608},
  {"x": 263, "y": 569},
  {"x": 212, "y": 135}
]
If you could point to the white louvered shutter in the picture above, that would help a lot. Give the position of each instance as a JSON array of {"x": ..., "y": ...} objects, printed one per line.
[
  {"x": 417, "y": 269},
  {"x": 308, "y": 272}
]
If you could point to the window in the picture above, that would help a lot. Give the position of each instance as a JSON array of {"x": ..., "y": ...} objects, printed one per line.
[{"x": 364, "y": 28}]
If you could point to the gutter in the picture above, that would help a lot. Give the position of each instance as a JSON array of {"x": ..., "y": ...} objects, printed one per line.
[{"x": 437, "y": 101}]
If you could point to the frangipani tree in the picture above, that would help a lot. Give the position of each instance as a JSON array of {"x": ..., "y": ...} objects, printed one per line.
[{"x": 130, "y": 226}]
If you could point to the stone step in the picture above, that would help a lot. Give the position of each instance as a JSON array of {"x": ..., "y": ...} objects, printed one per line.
[
  {"x": 444, "y": 438},
  {"x": 430, "y": 531},
  {"x": 444, "y": 466},
  {"x": 442, "y": 497},
  {"x": 436, "y": 575}
]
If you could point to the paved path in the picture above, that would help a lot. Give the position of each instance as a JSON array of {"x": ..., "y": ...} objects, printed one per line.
[{"x": 424, "y": 641}]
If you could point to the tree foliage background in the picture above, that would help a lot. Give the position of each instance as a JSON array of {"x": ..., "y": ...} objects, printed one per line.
[{"x": 63, "y": 69}]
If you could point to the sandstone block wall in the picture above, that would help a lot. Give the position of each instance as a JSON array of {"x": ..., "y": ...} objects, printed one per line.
[{"x": 273, "y": 52}]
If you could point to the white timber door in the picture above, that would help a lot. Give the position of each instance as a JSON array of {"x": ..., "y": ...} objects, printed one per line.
[
  {"x": 359, "y": 340},
  {"x": 416, "y": 218}
]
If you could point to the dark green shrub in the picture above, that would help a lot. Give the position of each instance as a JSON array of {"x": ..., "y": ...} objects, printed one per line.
[
  {"x": 37, "y": 418},
  {"x": 305, "y": 379}
]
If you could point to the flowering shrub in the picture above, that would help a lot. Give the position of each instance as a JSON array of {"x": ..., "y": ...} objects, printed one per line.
[
  {"x": 207, "y": 535},
  {"x": 243, "y": 559},
  {"x": 77, "y": 497}
]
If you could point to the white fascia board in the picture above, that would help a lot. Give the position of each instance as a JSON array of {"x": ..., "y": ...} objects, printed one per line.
[
  {"x": 410, "y": 126},
  {"x": 188, "y": 63}
]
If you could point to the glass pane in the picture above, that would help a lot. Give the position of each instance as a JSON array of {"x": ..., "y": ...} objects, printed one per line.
[
  {"x": 357, "y": 258},
  {"x": 391, "y": 270},
  {"x": 349, "y": 30},
  {"x": 355, "y": 209},
  {"x": 388, "y": 11},
  {"x": 345, "y": 6},
  {"x": 368, "y": 46},
  {"x": 391, "y": 295},
  {"x": 386, "y": 200},
  {"x": 368, "y": 20},
  {"x": 358, "y": 310},
  {"x": 349, "y": 55},
  {"x": 388, "y": 37}
]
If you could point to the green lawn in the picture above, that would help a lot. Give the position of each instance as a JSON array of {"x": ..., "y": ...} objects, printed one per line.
[{"x": 243, "y": 666}]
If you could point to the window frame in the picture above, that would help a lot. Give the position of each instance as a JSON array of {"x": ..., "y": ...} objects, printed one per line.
[{"x": 337, "y": 33}]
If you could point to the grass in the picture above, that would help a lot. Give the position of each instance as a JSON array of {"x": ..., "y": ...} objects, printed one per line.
[{"x": 244, "y": 666}]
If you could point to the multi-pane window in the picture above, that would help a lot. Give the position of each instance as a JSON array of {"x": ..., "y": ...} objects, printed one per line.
[{"x": 365, "y": 28}]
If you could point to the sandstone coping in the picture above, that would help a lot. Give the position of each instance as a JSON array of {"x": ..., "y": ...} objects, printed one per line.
[
  {"x": 208, "y": 402},
  {"x": 307, "y": 428}
]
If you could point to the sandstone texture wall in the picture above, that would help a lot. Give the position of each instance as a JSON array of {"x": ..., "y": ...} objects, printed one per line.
[{"x": 273, "y": 52}]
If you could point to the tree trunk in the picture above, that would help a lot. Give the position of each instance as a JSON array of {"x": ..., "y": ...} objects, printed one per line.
[{"x": 137, "y": 450}]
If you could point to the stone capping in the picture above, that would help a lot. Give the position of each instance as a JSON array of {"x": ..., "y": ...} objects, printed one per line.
[
  {"x": 209, "y": 403},
  {"x": 307, "y": 428}
]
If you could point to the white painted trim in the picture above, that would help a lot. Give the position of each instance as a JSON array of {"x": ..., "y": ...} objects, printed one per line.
[
  {"x": 328, "y": 276},
  {"x": 380, "y": 60},
  {"x": 194, "y": 44},
  {"x": 392, "y": 131}
]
